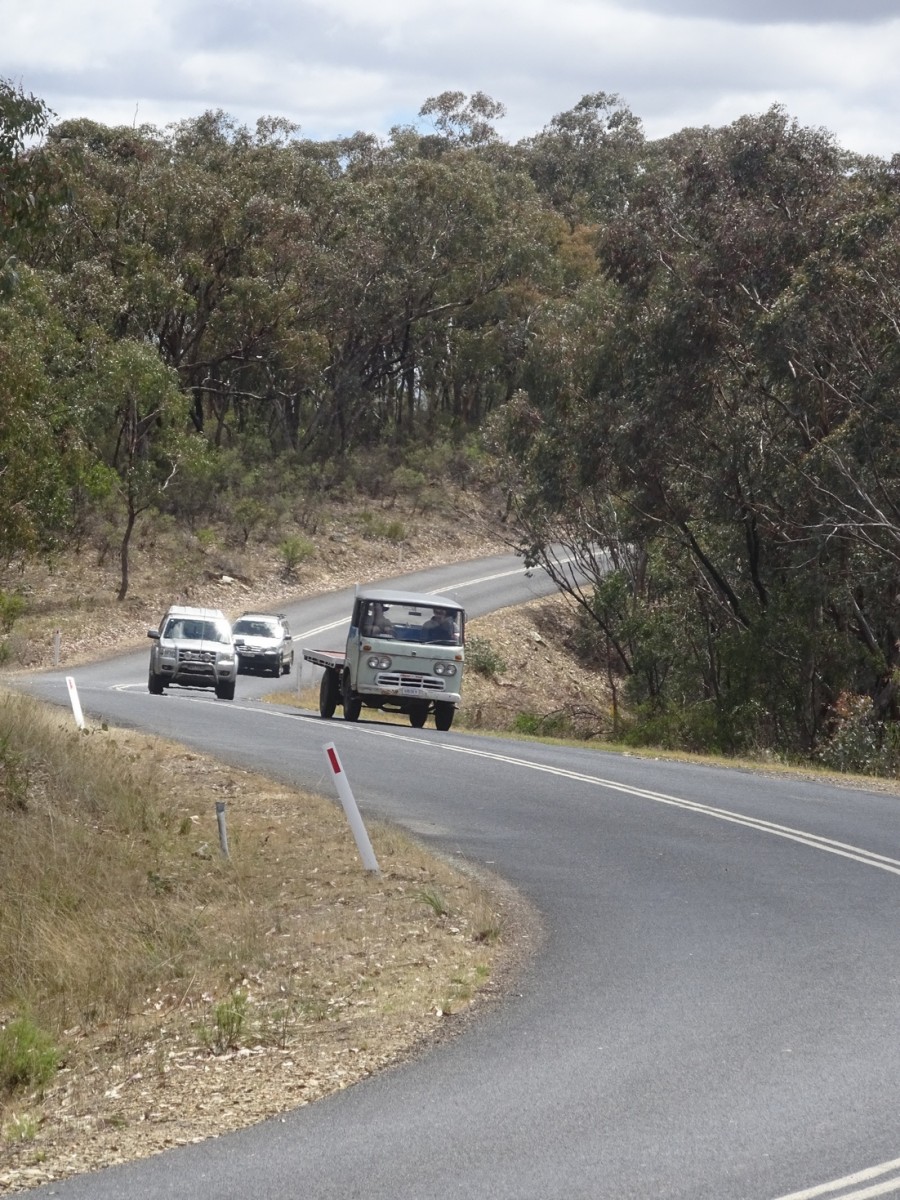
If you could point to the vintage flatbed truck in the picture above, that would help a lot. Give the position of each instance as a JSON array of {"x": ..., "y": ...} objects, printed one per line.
[{"x": 405, "y": 653}]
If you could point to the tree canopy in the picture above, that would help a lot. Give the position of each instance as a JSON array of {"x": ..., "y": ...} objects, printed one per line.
[{"x": 683, "y": 353}]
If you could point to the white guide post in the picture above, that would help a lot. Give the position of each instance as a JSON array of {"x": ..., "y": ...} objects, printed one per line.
[
  {"x": 75, "y": 702},
  {"x": 366, "y": 853}
]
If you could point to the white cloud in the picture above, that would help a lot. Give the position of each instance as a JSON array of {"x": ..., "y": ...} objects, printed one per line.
[{"x": 335, "y": 66}]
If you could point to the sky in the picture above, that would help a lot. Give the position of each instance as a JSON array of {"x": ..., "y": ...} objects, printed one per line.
[{"x": 334, "y": 67}]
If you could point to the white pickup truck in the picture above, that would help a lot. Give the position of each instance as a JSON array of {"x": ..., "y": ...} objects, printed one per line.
[{"x": 404, "y": 653}]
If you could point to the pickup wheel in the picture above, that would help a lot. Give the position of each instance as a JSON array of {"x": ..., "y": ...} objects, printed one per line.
[
  {"x": 444, "y": 713},
  {"x": 155, "y": 684},
  {"x": 225, "y": 691},
  {"x": 352, "y": 704},
  {"x": 418, "y": 714},
  {"x": 329, "y": 694}
]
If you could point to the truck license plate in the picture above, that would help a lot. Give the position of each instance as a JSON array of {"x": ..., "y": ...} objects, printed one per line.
[{"x": 408, "y": 691}]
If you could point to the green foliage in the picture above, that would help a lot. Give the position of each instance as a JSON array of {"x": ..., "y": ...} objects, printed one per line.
[
  {"x": 12, "y": 606},
  {"x": 435, "y": 901},
  {"x": 224, "y": 324},
  {"x": 27, "y": 184},
  {"x": 230, "y": 1016},
  {"x": 858, "y": 742},
  {"x": 388, "y": 529},
  {"x": 295, "y": 550},
  {"x": 483, "y": 658},
  {"x": 550, "y": 725},
  {"x": 28, "y": 1056}
]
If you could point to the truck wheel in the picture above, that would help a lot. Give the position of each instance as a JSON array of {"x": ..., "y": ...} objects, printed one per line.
[
  {"x": 225, "y": 691},
  {"x": 444, "y": 713},
  {"x": 418, "y": 715},
  {"x": 352, "y": 704},
  {"x": 155, "y": 684},
  {"x": 329, "y": 694}
]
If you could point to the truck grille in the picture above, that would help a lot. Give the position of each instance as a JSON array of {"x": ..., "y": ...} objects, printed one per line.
[{"x": 393, "y": 679}]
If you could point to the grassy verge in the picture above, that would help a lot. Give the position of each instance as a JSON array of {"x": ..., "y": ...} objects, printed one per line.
[{"x": 142, "y": 972}]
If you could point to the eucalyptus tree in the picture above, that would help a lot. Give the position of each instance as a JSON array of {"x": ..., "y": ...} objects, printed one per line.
[
  {"x": 586, "y": 159},
  {"x": 690, "y": 440},
  {"x": 41, "y": 455}
]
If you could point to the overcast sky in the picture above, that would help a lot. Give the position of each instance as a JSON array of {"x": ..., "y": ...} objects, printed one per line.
[{"x": 337, "y": 66}]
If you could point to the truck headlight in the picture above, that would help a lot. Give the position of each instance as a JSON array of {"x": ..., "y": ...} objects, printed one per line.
[
  {"x": 168, "y": 653},
  {"x": 225, "y": 659},
  {"x": 378, "y": 662},
  {"x": 445, "y": 668}
]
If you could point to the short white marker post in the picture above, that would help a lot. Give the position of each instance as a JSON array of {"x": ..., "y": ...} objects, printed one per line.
[
  {"x": 223, "y": 832},
  {"x": 366, "y": 853},
  {"x": 76, "y": 703},
  {"x": 57, "y": 639}
]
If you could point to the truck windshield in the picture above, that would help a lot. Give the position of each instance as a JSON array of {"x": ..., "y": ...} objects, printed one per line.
[{"x": 431, "y": 624}]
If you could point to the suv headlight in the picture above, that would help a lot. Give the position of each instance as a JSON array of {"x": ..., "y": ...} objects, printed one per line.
[
  {"x": 225, "y": 657},
  {"x": 379, "y": 662},
  {"x": 445, "y": 668}
]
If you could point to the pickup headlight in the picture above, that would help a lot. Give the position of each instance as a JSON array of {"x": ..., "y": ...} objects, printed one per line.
[
  {"x": 445, "y": 668},
  {"x": 168, "y": 653},
  {"x": 225, "y": 659},
  {"x": 379, "y": 662}
]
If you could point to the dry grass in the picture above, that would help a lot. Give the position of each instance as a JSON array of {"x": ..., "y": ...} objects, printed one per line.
[{"x": 167, "y": 974}]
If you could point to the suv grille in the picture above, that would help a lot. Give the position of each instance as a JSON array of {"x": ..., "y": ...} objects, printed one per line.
[
  {"x": 197, "y": 656},
  {"x": 408, "y": 679}
]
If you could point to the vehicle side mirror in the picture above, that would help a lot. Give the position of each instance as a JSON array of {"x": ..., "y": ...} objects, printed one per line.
[
  {"x": 153, "y": 633},
  {"x": 239, "y": 641}
]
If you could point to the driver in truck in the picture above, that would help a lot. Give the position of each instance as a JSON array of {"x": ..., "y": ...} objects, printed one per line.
[{"x": 440, "y": 626}]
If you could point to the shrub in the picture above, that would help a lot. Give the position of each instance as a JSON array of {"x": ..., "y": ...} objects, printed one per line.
[
  {"x": 859, "y": 742},
  {"x": 295, "y": 550},
  {"x": 28, "y": 1057},
  {"x": 374, "y": 526},
  {"x": 483, "y": 658},
  {"x": 230, "y": 1015}
]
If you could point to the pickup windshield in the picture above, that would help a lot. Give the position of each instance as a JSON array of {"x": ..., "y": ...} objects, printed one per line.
[{"x": 194, "y": 630}]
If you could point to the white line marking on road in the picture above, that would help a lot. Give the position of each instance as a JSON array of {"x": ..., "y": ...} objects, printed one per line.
[
  {"x": 837, "y": 1185},
  {"x": 308, "y": 633},
  {"x": 814, "y": 841},
  {"x": 858, "y": 854}
]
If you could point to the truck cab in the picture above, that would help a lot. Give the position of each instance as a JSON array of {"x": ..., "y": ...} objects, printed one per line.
[{"x": 405, "y": 653}]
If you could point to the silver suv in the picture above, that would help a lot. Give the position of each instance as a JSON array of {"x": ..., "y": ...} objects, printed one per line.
[
  {"x": 193, "y": 647},
  {"x": 264, "y": 642}
]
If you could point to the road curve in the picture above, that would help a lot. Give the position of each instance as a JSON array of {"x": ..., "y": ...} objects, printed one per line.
[{"x": 713, "y": 1010}]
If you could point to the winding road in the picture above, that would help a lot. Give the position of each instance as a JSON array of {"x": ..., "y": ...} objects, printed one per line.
[{"x": 713, "y": 1012}]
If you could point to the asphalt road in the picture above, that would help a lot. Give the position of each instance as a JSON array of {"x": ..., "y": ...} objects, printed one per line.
[{"x": 712, "y": 1014}]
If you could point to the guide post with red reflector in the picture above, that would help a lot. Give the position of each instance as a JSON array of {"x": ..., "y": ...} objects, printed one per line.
[
  {"x": 75, "y": 702},
  {"x": 366, "y": 853}
]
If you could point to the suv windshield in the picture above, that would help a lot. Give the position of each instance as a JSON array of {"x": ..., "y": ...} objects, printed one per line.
[
  {"x": 194, "y": 630},
  {"x": 257, "y": 628}
]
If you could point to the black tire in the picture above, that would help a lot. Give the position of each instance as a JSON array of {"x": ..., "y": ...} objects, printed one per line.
[
  {"x": 286, "y": 665},
  {"x": 352, "y": 704},
  {"x": 444, "y": 713},
  {"x": 225, "y": 691},
  {"x": 329, "y": 694},
  {"x": 418, "y": 715},
  {"x": 155, "y": 685}
]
